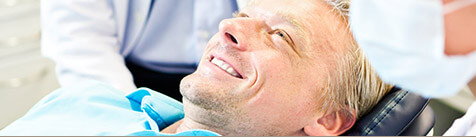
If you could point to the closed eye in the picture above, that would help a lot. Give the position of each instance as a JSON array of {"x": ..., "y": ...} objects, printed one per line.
[
  {"x": 281, "y": 33},
  {"x": 285, "y": 36}
]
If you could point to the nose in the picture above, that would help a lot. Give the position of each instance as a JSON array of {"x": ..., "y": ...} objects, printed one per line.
[{"x": 237, "y": 32}]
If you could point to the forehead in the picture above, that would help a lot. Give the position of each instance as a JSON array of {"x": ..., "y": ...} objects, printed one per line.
[
  {"x": 299, "y": 14},
  {"x": 315, "y": 17},
  {"x": 285, "y": 5}
]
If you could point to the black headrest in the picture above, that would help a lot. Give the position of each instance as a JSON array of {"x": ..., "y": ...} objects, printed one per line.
[{"x": 398, "y": 113}]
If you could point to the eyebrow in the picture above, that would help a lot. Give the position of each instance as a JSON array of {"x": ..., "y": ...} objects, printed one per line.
[
  {"x": 289, "y": 19},
  {"x": 283, "y": 15},
  {"x": 295, "y": 24}
]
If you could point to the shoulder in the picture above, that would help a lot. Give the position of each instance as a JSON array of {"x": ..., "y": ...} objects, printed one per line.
[
  {"x": 85, "y": 97},
  {"x": 81, "y": 90},
  {"x": 89, "y": 108}
]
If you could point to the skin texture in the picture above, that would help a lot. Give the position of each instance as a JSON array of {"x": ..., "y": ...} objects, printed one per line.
[
  {"x": 280, "y": 91},
  {"x": 460, "y": 30}
]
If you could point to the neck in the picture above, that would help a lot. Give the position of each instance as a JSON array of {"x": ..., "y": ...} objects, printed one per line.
[
  {"x": 184, "y": 125},
  {"x": 189, "y": 124},
  {"x": 172, "y": 129}
]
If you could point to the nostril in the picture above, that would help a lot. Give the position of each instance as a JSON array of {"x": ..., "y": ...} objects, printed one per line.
[{"x": 232, "y": 38}]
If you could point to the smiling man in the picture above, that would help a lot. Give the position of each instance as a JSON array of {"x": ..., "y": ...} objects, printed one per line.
[
  {"x": 281, "y": 68},
  {"x": 278, "y": 68}
]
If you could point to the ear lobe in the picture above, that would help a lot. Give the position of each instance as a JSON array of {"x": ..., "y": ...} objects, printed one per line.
[
  {"x": 332, "y": 124},
  {"x": 321, "y": 126},
  {"x": 347, "y": 119}
]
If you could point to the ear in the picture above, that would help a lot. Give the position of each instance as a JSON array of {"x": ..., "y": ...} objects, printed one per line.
[{"x": 332, "y": 124}]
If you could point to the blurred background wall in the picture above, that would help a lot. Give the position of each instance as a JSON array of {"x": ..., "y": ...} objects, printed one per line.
[{"x": 25, "y": 76}]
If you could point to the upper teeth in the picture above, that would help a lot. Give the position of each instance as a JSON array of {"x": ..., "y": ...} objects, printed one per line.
[{"x": 225, "y": 66}]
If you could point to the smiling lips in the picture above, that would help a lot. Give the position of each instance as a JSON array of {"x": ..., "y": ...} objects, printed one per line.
[{"x": 226, "y": 67}]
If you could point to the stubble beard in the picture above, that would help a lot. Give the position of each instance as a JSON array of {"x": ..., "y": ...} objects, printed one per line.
[{"x": 214, "y": 107}]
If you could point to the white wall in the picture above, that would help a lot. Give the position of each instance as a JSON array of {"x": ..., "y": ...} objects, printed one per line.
[{"x": 25, "y": 76}]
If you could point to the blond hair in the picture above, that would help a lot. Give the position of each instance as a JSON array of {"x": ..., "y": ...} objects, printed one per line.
[{"x": 356, "y": 85}]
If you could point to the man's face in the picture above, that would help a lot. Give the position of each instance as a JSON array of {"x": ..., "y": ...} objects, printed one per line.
[{"x": 263, "y": 72}]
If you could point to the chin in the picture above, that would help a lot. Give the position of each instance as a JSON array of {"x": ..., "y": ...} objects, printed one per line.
[
  {"x": 188, "y": 88},
  {"x": 205, "y": 93}
]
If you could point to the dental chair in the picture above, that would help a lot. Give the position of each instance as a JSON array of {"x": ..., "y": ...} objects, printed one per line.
[{"x": 399, "y": 113}]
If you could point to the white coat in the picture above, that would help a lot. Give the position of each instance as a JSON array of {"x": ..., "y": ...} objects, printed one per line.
[{"x": 86, "y": 38}]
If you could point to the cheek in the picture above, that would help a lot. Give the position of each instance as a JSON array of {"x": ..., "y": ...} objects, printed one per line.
[
  {"x": 274, "y": 68},
  {"x": 281, "y": 81}
]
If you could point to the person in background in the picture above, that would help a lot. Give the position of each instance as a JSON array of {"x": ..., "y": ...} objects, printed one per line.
[
  {"x": 426, "y": 46},
  {"x": 129, "y": 43}
]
